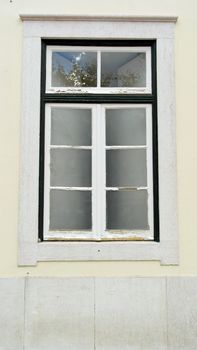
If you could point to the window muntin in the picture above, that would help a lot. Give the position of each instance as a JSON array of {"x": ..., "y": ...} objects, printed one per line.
[
  {"x": 83, "y": 200},
  {"x": 98, "y": 69}
]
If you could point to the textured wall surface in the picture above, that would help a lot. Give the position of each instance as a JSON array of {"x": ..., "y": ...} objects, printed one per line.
[
  {"x": 130, "y": 313},
  {"x": 152, "y": 313},
  {"x": 10, "y": 94}
]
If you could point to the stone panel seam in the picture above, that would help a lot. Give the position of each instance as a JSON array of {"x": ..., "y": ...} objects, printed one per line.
[
  {"x": 167, "y": 318},
  {"x": 24, "y": 316},
  {"x": 94, "y": 285}
]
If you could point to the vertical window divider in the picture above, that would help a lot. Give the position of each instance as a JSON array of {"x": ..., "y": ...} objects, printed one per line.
[
  {"x": 99, "y": 172},
  {"x": 95, "y": 157},
  {"x": 102, "y": 169},
  {"x": 47, "y": 170},
  {"x": 98, "y": 69},
  {"x": 149, "y": 165},
  {"x": 48, "y": 68},
  {"x": 148, "y": 69}
]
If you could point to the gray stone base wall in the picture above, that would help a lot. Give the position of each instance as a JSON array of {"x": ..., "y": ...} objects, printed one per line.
[{"x": 98, "y": 313}]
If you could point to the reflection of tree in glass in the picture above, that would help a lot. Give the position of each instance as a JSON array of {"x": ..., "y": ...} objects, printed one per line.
[
  {"x": 77, "y": 77},
  {"x": 121, "y": 80},
  {"x": 128, "y": 79}
]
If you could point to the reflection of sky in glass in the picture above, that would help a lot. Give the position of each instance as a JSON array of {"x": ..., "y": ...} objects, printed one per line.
[
  {"x": 67, "y": 59},
  {"x": 80, "y": 65}
]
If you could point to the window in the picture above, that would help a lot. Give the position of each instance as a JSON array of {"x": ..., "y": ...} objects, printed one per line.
[
  {"x": 97, "y": 175},
  {"x": 117, "y": 198}
]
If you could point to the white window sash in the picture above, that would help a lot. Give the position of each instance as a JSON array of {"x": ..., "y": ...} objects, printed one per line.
[{"x": 98, "y": 188}]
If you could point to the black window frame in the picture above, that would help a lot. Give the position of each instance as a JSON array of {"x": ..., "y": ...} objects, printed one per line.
[{"x": 147, "y": 98}]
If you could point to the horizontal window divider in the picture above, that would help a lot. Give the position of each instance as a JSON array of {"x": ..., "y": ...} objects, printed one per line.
[
  {"x": 128, "y": 188},
  {"x": 125, "y": 147},
  {"x": 82, "y": 238},
  {"x": 89, "y": 235},
  {"x": 99, "y": 42},
  {"x": 97, "y": 90},
  {"x": 99, "y": 98},
  {"x": 133, "y": 235},
  {"x": 70, "y": 188},
  {"x": 53, "y": 232},
  {"x": 70, "y": 235},
  {"x": 69, "y": 147}
]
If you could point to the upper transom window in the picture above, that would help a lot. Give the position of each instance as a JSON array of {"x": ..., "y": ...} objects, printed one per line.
[{"x": 98, "y": 69}]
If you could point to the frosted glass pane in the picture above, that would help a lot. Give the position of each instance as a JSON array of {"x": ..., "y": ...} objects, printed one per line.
[
  {"x": 71, "y": 127},
  {"x": 126, "y": 168},
  {"x": 127, "y": 210},
  {"x": 70, "y": 210},
  {"x": 70, "y": 167},
  {"x": 74, "y": 69},
  {"x": 123, "y": 69},
  {"x": 126, "y": 126}
]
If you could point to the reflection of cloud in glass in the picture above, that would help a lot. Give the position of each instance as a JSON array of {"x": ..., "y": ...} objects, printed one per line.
[{"x": 78, "y": 58}]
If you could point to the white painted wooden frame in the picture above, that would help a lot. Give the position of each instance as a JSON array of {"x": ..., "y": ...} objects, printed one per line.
[
  {"x": 162, "y": 29},
  {"x": 98, "y": 50},
  {"x": 98, "y": 189}
]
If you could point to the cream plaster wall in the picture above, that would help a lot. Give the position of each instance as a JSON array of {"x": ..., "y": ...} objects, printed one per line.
[{"x": 10, "y": 96}]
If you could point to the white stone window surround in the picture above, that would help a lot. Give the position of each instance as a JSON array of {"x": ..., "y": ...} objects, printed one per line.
[{"x": 36, "y": 27}]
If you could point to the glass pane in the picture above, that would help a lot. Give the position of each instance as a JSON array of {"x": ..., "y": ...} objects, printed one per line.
[
  {"x": 127, "y": 210},
  {"x": 70, "y": 167},
  {"x": 123, "y": 69},
  {"x": 126, "y": 168},
  {"x": 71, "y": 127},
  {"x": 70, "y": 210},
  {"x": 126, "y": 126},
  {"x": 74, "y": 69}
]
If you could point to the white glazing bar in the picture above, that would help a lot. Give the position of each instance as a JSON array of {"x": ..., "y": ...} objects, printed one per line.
[
  {"x": 94, "y": 172},
  {"x": 100, "y": 172},
  {"x": 125, "y": 188},
  {"x": 98, "y": 69},
  {"x": 121, "y": 235},
  {"x": 62, "y": 188},
  {"x": 149, "y": 161},
  {"x": 62, "y": 48},
  {"x": 101, "y": 90},
  {"x": 47, "y": 170},
  {"x": 75, "y": 235},
  {"x": 69, "y": 147},
  {"x": 48, "y": 69},
  {"x": 148, "y": 70},
  {"x": 127, "y": 147}
]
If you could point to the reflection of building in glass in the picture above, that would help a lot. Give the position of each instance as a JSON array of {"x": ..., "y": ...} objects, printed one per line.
[
  {"x": 133, "y": 72},
  {"x": 123, "y": 69}
]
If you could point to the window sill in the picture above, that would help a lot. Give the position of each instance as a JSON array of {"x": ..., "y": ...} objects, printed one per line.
[{"x": 166, "y": 252}]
